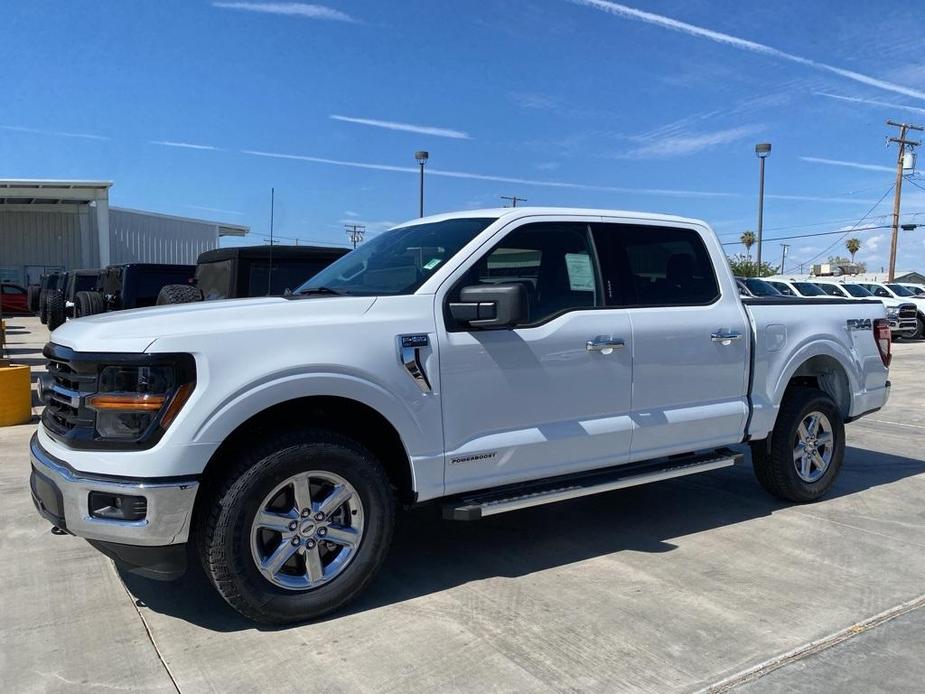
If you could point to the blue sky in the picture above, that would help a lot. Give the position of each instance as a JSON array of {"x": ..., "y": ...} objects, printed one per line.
[{"x": 197, "y": 108}]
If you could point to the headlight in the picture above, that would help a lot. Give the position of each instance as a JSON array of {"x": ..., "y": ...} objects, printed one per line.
[
  {"x": 892, "y": 312},
  {"x": 132, "y": 401}
]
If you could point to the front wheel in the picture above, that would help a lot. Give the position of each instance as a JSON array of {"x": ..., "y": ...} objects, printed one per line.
[
  {"x": 299, "y": 528},
  {"x": 806, "y": 449}
]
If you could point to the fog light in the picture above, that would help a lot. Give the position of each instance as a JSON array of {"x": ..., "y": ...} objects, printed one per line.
[{"x": 118, "y": 506}]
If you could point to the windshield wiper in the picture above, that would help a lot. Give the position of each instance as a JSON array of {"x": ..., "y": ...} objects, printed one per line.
[{"x": 321, "y": 290}]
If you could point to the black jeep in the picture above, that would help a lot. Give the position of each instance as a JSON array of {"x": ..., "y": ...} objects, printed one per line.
[
  {"x": 133, "y": 285},
  {"x": 231, "y": 273}
]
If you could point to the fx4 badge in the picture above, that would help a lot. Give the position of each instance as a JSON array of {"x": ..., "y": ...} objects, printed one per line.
[{"x": 409, "y": 353}]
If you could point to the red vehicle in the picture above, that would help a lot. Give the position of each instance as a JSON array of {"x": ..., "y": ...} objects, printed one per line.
[{"x": 13, "y": 299}]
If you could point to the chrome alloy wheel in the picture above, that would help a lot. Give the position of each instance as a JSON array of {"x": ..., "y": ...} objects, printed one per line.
[
  {"x": 307, "y": 530},
  {"x": 815, "y": 443}
]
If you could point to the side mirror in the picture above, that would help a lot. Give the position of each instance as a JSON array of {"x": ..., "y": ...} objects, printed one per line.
[{"x": 491, "y": 305}]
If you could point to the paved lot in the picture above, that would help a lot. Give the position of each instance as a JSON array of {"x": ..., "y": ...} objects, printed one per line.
[{"x": 679, "y": 586}]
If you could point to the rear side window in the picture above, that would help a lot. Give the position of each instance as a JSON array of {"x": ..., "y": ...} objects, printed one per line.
[
  {"x": 655, "y": 266},
  {"x": 831, "y": 290},
  {"x": 782, "y": 288}
]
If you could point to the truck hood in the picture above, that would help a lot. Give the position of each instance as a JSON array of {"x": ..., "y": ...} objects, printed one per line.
[{"x": 137, "y": 329}]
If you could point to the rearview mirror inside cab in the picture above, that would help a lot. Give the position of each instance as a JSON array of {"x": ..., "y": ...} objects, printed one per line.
[{"x": 490, "y": 305}]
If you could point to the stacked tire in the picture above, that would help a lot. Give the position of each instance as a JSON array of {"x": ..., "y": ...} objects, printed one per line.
[
  {"x": 33, "y": 297},
  {"x": 54, "y": 309},
  {"x": 43, "y": 303},
  {"x": 178, "y": 294},
  {"x": 88, "y": 304}
]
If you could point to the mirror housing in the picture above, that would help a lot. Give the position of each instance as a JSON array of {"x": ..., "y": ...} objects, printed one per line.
[{"x": 491, "y": 305}]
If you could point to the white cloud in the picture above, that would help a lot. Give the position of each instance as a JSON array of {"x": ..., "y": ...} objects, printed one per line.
[
  {"x": 626, "y": 12},
  {"x": 500, "y": 179},
  {"x": 350, "y": 213},
  {"x": 548, "y": 166},
  {"x": 289, "y": 9},
  {"x": 55, "y": 133},
  {"x": 183, "y": 145},
  {"x": 820, "y": 198},
  {"x": 870, "y": 102},
  {"x": 215, "y": 209},
  {"x": 406, "y": 127},
  {"x": 660, "y": 147},
  {"x": 849, "y": 164}
]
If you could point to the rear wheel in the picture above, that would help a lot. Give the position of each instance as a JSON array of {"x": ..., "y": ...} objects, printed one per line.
[
  {"x": 88, "y": 304},
  {"x": 299, "y": 528},
  {"x": 54, "y": 309},
  {"x": 806, "y": 448},
  {"x": 178, "y": 294}
]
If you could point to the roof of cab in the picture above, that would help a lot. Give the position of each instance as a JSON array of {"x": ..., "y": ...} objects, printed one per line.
[{"x": 519, "y": 212}]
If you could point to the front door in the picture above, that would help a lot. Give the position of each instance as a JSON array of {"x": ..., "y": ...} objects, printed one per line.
[{"x": 535, "y": 401}]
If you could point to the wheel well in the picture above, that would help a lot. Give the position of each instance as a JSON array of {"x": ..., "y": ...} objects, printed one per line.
[
  {"x": 826, "y": 374},
  {"x": 347, "y": 417}
]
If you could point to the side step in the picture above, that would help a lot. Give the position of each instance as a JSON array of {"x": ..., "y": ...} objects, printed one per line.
[{"x": 476, "y": 505}]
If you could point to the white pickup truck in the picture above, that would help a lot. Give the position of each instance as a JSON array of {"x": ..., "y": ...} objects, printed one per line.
[{"x": 492, "y": 360}]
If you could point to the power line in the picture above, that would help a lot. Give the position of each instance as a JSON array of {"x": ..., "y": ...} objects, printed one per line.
[
  {"x": 355, "y": 232},
  {"x": 852, "y": 229},
  {"x": 808, "y": 236},
  {"x": 513, "y": 198}
]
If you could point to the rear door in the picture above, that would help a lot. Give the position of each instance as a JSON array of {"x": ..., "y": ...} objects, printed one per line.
[{"x": 690, "y": 337}]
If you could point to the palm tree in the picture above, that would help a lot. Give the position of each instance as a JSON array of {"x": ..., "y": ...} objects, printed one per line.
[
  {"x": 748, "y": 240},
  {"x": 853, "y": 245}
]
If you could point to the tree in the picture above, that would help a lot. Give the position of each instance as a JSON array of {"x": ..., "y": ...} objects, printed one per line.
[
  {"x": 744, "y": 266},
  {"x": 748, "y": 240},
  {"x": 853, "y": 245}
]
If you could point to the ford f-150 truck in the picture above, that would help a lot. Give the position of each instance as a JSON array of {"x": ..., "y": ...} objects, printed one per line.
[{"x": 491, "y": 360}]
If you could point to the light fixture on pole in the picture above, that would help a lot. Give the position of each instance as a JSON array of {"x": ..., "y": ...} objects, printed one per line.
[
  {"x": 422, "y": 158},
  {"x": 762, "y": 149}
]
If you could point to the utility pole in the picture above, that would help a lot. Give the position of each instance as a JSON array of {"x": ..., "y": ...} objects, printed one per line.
[
  {"x": 355, "y": 233},
  {"x": 513, "y": 198},
  {"x": 784, "y": 247},
  {"x": 270, "y": 263},
  {"x": 897, "y": 193},
  {"x": 762, "y": 151}
]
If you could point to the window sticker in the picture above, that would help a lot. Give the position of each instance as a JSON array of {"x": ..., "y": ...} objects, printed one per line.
[
  {"x": 432, "y": 263},
  {"x": 580, "y": 273}
]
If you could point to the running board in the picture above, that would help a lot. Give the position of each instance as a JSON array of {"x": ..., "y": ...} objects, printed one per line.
[{"x": 512, "y": 498}]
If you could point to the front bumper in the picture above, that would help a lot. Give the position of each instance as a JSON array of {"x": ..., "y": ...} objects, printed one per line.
[{"x": 62, "y": 496}]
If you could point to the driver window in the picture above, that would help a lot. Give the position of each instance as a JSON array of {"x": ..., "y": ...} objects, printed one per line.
[{"x": 555, "y": 263}]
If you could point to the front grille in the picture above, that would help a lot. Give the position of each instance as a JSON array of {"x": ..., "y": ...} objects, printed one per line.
[
  {"x": 907, "y": 311},
  {"x": 70, "y": 383}
]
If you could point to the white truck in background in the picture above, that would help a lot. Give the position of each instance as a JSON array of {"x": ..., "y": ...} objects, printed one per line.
[{"x": 487, "y": 360}]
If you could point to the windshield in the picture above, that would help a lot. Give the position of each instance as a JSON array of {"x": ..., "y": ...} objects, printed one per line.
[
  {"x": 900, "y": 290},
  {"x": 760, "y": 287},
  {"x": 397, "y": 261},
  {"x": 856, "y": 290},
  {"x": 830, "y": 289},
  {"x": 807, "y": 289},
  {"x": 915, "y": 289}
]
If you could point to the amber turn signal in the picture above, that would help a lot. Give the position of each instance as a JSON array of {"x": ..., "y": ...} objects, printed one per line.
[{"x": 126, "y": 402}]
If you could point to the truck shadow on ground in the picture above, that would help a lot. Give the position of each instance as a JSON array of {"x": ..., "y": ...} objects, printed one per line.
[{"x": 430, "y": 555}]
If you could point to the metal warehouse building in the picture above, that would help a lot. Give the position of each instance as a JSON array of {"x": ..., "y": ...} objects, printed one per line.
[{"x": 51, "y": 225}]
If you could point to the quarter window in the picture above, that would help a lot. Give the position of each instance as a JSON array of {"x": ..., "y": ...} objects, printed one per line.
[
  {"x": 555, "y": 263},
  {"x": 655, "y": 266}
]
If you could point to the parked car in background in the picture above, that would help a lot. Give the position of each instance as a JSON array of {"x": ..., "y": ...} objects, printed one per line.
[
  {"x": 757, "y": 287},
  {"x": 917, "y": 289},
  {"x": 901, "y": 314},
  {"x": 491, "y": 359},
  {"x": 891, "y": 290},
  {"x": 14, "y": 299},
  {"x": 232, "y": 273},
  {"x": 133, "y": 285}
]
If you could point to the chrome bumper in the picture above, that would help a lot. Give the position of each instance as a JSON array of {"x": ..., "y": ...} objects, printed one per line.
[{"x": 62, "y": 494}]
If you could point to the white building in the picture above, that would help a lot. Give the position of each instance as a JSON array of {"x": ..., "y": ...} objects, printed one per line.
[{"x": 53, "y": 225}]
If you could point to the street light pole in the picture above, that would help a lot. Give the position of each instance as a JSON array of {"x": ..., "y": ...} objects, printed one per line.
[
  {"x": 422, "y": 158},
  {"x": 762, "y": 150},
  {"x": 784, "y": 247}
]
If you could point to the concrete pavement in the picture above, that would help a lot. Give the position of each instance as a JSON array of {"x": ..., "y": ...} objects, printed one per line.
[{"x": 677, "y": 586}]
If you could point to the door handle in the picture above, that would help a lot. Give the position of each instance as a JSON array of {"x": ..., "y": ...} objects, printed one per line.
[
  {"x": 725, "y": 336},
  {"x": 604, "y": 344}
]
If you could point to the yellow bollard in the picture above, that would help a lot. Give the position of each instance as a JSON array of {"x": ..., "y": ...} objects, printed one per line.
[{"x": 15, "y": 395}]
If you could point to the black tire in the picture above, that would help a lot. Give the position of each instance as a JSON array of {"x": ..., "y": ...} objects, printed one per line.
[
  {"x": 33, "y": 298},
  {"x": 43, "y": 303},
  {"x": 178, "y": 294},
  {"x": 223, "y": 527},
  {"x": 773, "y": 461},
  {"x": 88, "y": 304},
  {"x": 54, "y": 310},
  {"x": 919, "y": 328}
]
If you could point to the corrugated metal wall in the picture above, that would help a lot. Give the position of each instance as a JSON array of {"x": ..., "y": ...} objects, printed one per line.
[
  {"x": 40, "y": 238},
  {"x": 67, "y": 237},
  {"x": 139, "y": 237}
]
